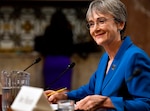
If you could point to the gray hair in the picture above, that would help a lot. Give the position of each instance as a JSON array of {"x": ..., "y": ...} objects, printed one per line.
[{"x": 114, "y": 7}]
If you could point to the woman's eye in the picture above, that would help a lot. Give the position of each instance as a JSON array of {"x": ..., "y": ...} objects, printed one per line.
[
  {"x": 90, "y": 25},
  {"x": 102, "y": 21}
]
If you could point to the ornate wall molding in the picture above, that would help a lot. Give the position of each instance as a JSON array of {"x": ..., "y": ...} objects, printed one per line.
[{"x": 20, "y": 25}]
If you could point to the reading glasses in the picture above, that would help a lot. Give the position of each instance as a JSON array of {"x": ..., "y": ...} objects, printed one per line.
[{"x": 99, "y": 22}]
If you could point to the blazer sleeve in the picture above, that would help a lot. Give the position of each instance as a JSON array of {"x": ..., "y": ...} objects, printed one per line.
[
  {"x": 89, "y": 88},
  {"x": 138, "y": 87},
  {"x": 83, "y": 91}
]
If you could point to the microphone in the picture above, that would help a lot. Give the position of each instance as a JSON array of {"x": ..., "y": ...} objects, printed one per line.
[
  {"x": 37, "y": 60},
  {"x": 70, "y": 66},
  {"x": 135, "y": 73}
]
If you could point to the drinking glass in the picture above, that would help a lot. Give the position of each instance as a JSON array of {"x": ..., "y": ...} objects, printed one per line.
[
  {"x": 66, "y": 105},
  {"x": 11, "y": 84}
]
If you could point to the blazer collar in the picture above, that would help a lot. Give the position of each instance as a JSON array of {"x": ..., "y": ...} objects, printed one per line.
[{"x": 126, "y": 44}]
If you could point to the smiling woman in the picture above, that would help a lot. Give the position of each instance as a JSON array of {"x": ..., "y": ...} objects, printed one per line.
[{"x": 109, "y": 88}]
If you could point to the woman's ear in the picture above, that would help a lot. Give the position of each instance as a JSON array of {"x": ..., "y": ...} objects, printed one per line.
[{"x": 120, "y": 26}]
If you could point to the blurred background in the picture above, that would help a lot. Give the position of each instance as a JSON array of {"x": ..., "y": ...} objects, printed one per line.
[{"x": 21, "y": 21}]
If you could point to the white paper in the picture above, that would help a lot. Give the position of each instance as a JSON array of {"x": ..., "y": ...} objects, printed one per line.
[{"x": 31, "y": 99}]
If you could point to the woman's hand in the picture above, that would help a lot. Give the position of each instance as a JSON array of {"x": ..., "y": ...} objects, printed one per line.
[
  {"x": 48, "y": 92},
  {"x": 55, "y": 96},
  {"x": 94, "y": 102}
]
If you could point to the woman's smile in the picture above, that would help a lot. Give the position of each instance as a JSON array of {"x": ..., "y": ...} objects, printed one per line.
[{"x": 99, "y": 35}]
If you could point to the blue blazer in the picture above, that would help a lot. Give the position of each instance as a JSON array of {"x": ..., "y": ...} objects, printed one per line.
[{"x": 126, "y": 94}]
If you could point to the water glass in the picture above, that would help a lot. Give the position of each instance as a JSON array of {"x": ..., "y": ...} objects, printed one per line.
[
  {"x": 11, "y": 84},
  {"x": 66, "y": 105}
]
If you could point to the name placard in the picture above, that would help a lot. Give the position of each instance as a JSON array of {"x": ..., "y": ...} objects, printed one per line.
[{"x": 31, "y": 99}]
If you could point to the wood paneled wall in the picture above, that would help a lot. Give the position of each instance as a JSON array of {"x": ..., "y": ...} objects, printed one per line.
[{"x": 138, "y": 25}]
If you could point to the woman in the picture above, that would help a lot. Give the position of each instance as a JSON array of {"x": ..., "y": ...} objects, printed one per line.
[{"x": 122, "y": 79}]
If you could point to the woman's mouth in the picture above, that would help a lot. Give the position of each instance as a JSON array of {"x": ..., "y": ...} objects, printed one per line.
[{"x": 99, "y": 35}]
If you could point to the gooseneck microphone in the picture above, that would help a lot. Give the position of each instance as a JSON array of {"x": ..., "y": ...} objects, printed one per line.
[
  {"x": 135, "y": 73},
  {"x": 70, "y": 66},
  {"x": 35, "y": 62}
]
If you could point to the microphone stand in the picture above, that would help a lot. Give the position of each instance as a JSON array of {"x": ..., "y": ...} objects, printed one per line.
[
  {"x": 61, "y": 74},
  {"x": 35, "y": 62}
]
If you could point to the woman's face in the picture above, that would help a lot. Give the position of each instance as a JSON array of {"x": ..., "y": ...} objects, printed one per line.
[{"x": 104, "y": 29}]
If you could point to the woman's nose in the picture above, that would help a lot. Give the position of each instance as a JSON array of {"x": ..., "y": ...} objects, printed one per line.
[{"x": 96, "y": 27}]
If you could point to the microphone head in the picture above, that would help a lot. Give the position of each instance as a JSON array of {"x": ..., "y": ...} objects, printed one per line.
[
  {"x": 37, "y": 60},
  {"x": 71, "y": 65}
]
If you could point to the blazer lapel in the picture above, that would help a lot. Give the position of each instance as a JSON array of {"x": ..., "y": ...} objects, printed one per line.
[
  {"x": 101, "y": 74},
  {"x": 126, "y": 43},
  {"x": 110, "y": 73}
]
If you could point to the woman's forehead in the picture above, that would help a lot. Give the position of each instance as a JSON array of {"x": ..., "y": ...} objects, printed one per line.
[{"x": 97, "y": 14}]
